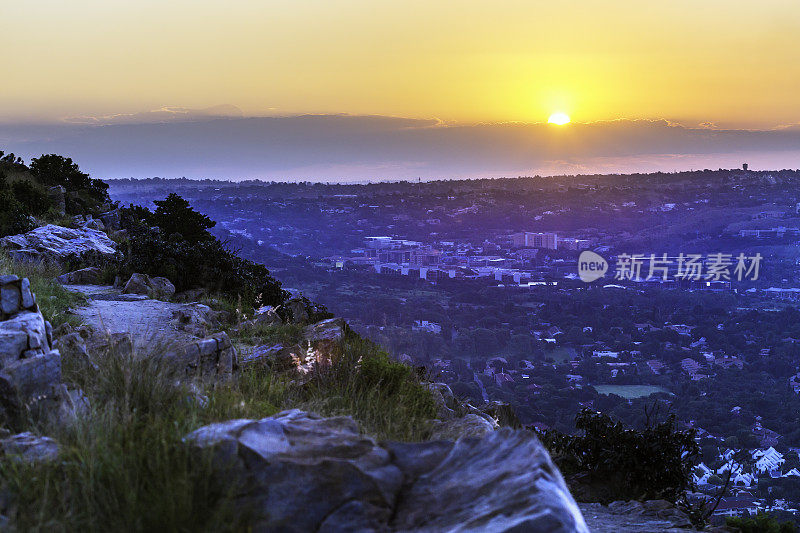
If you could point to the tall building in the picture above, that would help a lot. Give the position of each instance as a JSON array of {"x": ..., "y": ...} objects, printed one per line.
[{"x": 535, "y": 240}]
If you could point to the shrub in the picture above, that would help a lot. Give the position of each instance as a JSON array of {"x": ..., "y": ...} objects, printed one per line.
[
  {"x": 200, "y": 261},
  {"x": 761, "y": 523},
  {"x": 653, "y": 463},
  {"x": 33, "y": 198},
  {"x": 86, "y": 195},
  {"x": 14, "y": 218}
]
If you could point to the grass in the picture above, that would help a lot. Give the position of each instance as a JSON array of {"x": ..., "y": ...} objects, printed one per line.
[
  {"x": 124, "y": 467},
  {"x": 53, "y": 299},
  {"x": 630, "y": 392}
]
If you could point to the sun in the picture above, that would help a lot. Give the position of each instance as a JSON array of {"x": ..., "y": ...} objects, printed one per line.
[{"x": 558, "y": 119}]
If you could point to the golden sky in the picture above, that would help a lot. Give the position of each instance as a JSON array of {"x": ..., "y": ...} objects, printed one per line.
[{"x": 731, "y": 62}]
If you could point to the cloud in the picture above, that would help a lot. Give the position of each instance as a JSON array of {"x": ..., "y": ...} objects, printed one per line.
[
  {"x": 164, "y": 114},
  {"x": 344, "y": 147}
]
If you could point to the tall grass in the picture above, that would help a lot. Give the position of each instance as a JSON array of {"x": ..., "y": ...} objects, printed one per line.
[
  {"x": 123, "y": 465},
  {"x": 53, "y": 299}
]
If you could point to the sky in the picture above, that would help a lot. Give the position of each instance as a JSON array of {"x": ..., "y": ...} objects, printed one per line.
[{"x": 485, "y": 68}]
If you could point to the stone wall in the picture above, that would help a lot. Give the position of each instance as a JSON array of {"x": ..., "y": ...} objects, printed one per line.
[{"x": 29, "y": 366}]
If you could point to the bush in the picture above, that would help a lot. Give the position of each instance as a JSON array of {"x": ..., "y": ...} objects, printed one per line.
[
  {"x": 33, "y": 198},
  {"x": 761, "y": 523},
  {"x": 654, "y": 463},
  {"x": 14, "y": 218},
  {"x": 199, "y": 261},
  {"x": 85, "y": 195}
]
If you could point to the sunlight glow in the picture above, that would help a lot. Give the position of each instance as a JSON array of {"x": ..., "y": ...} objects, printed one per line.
[{"x": 558, "y": 119}]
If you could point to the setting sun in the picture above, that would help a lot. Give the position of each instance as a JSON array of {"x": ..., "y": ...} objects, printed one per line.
[{"x": 558, "y": 118}]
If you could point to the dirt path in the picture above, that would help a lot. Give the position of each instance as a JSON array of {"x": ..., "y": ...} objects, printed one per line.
[{"x": 148, "y": 321}]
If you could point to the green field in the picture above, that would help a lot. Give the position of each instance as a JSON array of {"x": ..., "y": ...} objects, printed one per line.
[{"x": 630, "y": 391}]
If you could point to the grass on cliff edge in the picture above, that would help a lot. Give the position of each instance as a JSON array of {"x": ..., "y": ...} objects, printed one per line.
[
  {"x": 53, "y": 299},
  {"x": 123, "y": 466}
]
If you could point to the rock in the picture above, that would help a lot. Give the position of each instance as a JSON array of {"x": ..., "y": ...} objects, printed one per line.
[
  {"x": 636, "y": 517},
  {"x": 197, "y": 319},
  {"x": 294, "y": 311},
  {"x": 155, "y": 288},
  {"x": 84, "y": 276},
  {"x": 29, "y": 448},
  {"x": 331, "y": 329},
  {"x": 10, "y": 299},
  {"x": 94, "y": 223},
  {"x": 192, "y": 295},
  {"x": 299, "y": 472},
  {"x": 56, "y": 196},
  {"x": 470, "y": 425},
  {"x": 444, "y": 400},
  {"x": 30, "y": 379},
  {"x": 137, "y": 284},
  {"x": 72, "y": 346},
  {"x": 24, "y": 332},
  {"x": 503, "y": 413},
  {"x": 214, "y": 356},
  {"x": 112, "y": 219},
  {"x": 161, "y": 289},
  {"x": 278, "y": 357},
  {"x": 54, "y": 243},
  {"x": 72, "y": 405}
]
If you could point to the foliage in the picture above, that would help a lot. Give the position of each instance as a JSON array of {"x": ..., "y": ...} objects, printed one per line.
[
  {"x": 120, "y": 460},
  {"x": 53, "y": 299},
  {"x": 175, "y": 215},
  {"x": 197, "y": 261},
  {"x": 385, "y": 396},
  {"x": 87, "y": 195},
  {"x": 14, "y": 218},
  {"x": 652, "y": 463},
  {"x": 761, "y": 523},
  {"x": 32, "y": 197}
]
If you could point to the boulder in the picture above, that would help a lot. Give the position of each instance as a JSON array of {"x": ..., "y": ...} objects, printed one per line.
[
  {"x": 29, "y": 448},
  {"x": 112, "y": 219},
  {"x": 213, "y": 356},
  {"x": 155, "y": 288},
  {"x": 192, "y": 295},
  {"x": 197, "y": 319},
  {"x": 84, "y": 276},
  {"x": 72, "y": 346},
  {"x": 469, "y": 425},
  {"x": 278, "y": 357},
  {"x": 331, "y": 329},
  {"x": 30, "y": 368},
  {"x": 137, "y": 284},
  {"x": 57, "y": 198},
  {"x": 161, "y": 289},
  {"x": 294, "y": 311},
  {"x": 54, "y": 243},
  {"x": 296, "y": 471}
]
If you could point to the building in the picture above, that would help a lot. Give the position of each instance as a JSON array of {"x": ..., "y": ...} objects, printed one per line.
[{"x": 529, "y": 239}]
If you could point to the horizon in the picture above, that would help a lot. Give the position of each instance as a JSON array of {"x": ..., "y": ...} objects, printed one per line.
[{"x": 353, "y": 91}]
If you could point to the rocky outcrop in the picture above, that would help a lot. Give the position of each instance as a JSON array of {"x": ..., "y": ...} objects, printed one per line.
[
  {"x": 53, "y": 243},
  {"x": 155, "y": 288},
  {"x": 636, "y": 517},
  {"x": 29, "y": 448},
  {"x": 300, "y": 472},
  {"x": 30, "y": 368},
  {"x": 84, "y": 276},
  {"x": 213, "y": 356}
]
